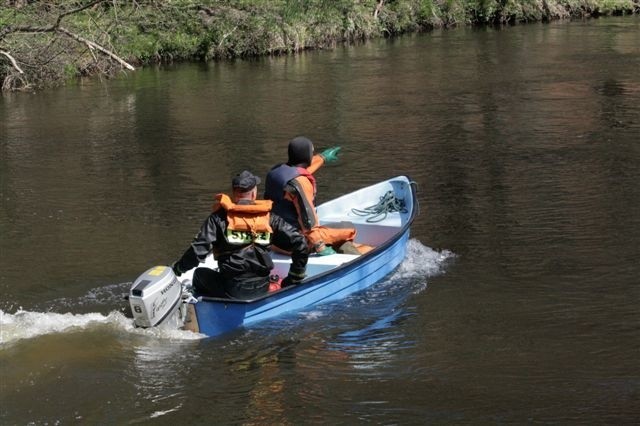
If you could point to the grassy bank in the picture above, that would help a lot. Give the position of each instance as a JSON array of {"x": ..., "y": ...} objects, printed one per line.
[{"x": 46, "y": 43}]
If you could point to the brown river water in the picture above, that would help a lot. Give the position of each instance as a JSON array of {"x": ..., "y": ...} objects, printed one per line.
[{"x": 519, "y": 299}]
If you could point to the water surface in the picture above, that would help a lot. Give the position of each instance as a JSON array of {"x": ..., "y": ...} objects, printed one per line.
[{"x": 518, "y": 300}]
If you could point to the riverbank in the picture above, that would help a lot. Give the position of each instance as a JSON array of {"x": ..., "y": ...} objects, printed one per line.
[{"x": 44, "y": 45}]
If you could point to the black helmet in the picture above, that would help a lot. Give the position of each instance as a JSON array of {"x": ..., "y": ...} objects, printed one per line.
[{"x": 300, "y": 152}]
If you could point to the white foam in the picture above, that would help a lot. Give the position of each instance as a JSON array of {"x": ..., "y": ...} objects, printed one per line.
[
  {"x": 157, "y": 414},
  {"x": 421, "y": 260},
  {"x": 27, "y": 325}
]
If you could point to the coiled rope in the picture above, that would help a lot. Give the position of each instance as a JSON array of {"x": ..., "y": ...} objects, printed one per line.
[{"x": 388, "y": 203}]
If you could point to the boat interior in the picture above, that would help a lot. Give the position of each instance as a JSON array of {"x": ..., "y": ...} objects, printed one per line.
[
  {"x": 372, "y": 229},
  {"x": 367, "y": 235}
]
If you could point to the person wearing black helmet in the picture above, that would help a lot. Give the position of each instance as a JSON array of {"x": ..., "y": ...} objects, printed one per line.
[
  {"x": 292, "y": 188},
  {"x": 239, "y": 232}
]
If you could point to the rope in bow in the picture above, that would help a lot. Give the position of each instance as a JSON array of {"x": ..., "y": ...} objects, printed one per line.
[{"x": 388, "y": 203}]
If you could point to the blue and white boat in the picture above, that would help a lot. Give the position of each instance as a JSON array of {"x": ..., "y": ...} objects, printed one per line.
[{"x": 382, "y": 215}]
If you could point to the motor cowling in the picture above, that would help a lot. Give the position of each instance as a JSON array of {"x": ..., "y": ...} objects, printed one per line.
[{"x": 155, "y": 296}]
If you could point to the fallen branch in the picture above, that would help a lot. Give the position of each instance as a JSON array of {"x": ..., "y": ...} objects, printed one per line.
[
  {"x": 48, "y": 29},
  {"x": 13, "y": 61},
  {"x": 96, "y": 46},
  {"x": 55, "y": 27}
]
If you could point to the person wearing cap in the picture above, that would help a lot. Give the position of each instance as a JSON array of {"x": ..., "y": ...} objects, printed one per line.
[
  {"x": 239, "y": 232},
  {"x": 292, "y": 188}
]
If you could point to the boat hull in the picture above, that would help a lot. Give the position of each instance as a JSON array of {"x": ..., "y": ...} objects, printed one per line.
[{"x": 216, "y": 317}]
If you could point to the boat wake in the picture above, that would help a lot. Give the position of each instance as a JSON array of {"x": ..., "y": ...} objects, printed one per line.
[
  {"x": 411, "y": 277},
  {"x": 373, "y": 312},
  {"x": 26, "y": 325},
  {"x": 420, "y": 262}
]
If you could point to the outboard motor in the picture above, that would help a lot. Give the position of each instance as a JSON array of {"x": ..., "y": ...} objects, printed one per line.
[{"x": 156, "y": 298}]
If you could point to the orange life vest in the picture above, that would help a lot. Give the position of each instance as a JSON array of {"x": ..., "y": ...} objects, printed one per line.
[{"x": 246, "y": 223}]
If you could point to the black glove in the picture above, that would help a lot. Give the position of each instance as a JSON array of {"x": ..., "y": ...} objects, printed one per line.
[{"x": 176, "y": 269}]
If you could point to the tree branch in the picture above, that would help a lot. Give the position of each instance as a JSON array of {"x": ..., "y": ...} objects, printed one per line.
[
  {"x": 42, "y": 29},
  {"x": 76, "y": 10},
  {"x": 13, "y": 61},
  {"x": 378, "y": 8},
  {"x": 96, "y": 46},
  {"x": 55, "y": 27}
]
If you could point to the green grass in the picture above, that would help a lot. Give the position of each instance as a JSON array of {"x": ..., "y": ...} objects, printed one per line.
[{"x": 149, "y": 31}]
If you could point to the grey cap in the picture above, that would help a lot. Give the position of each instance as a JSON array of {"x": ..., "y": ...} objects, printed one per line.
[{"x": 245, "y": 181}]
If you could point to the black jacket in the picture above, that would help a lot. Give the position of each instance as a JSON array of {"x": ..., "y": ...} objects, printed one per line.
[{"x": 249, "y": 261}]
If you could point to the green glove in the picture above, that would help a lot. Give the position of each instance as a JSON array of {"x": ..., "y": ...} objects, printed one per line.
[
  {"x": 327, "y": 251},
  {"x": 330, "y": 155}
]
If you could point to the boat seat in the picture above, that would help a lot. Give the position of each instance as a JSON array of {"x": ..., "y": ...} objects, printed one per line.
[
  {"x": 372, "y": 234},
  {"x": 316, "y": 264}
]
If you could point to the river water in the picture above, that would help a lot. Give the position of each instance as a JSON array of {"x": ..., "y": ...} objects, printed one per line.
[{"x": 518, "y": 301}]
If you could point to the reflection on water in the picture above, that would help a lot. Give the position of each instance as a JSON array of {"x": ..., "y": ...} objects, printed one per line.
[
  {"x": 156, "y": 378},
  {"x": 373, "y": 347}
]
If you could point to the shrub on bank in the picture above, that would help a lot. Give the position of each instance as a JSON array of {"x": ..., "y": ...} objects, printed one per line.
[{"x": 43, "y": 43}]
